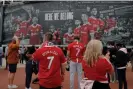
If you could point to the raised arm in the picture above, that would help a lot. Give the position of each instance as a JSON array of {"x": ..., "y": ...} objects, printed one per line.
[{"x": 16, "y": 45}]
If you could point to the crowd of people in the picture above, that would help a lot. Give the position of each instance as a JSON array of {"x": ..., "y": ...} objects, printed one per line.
[
  {"x": 99, "y": 65},
  {"x": 85, "y": 55}
]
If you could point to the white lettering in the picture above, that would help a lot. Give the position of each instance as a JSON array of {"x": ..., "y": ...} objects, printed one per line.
[
  {"x": 69, "y": 15},
  {"x": 59, "y": 16},
  {"x": 46, "y": 16},
  {"x": 62, "y": 16},
  {"x": 50, "y": 17},
  {"x": 50, "y": 52},
  {"x": 56, "y": 16}
]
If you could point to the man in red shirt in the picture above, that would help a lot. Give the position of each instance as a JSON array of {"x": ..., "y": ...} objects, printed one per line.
[
  {"x": 23, "y": 25},
  {"x": 75, "y": 53},
  {"x": 56, "y": 35},
  {"x": 100, "y": 32},
  {"x": 78, "y": 28},
  {"x": 86, "y": 28},
  {"x": 57, "y": 38},
  {"x": 68, "y": 37},
  {"x": 93, "y": 20},
  {"x": 111, "y": 23},
  {"x": 51, "y": 65},
  {"x": 35, "y": 31}
]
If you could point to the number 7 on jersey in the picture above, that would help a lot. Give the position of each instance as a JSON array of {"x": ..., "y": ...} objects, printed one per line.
[{"x": 51, "y": 59}]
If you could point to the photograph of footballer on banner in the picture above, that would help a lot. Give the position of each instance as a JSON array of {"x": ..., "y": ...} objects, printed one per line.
[{"x": 105, "y": 21}]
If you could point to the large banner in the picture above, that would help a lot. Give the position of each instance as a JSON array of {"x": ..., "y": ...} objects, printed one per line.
[
  {"x": 106, "y": 21},
  {"x": 1, "y": 20}
]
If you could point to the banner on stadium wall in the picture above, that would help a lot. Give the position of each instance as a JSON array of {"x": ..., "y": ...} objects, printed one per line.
[
  {"x": 61, "y": 18},
  {"x": 1, "y": 20}
]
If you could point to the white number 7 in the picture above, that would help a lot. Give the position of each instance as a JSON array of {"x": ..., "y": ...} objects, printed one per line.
[
  {"x": 51, "y": 59},
  {"x": 78, "y": 50}
]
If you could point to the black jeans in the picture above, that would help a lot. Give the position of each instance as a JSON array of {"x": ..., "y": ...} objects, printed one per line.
[
  {"x": 122, "y": 78},
  {"x": 29, "y": 71},
  {"x": 98, "y": 85},
  {"x": 22, "y": 58},
  {"x": 50, "y": 88}
]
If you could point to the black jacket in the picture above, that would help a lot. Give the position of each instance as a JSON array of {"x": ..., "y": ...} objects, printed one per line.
[
  {"x": 113, "y": 52},
  {"x": 121, "y": 59}
]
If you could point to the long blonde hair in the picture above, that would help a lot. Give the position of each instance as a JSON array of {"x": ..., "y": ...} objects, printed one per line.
[{"x": 93, "y": 52}]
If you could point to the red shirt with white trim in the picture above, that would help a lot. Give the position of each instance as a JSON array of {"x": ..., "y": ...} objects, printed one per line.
[
  {"x": 34, "y": 32},
  {"x": 56, "y": 36},
  {"x": 23, "y": 25},
  {"x": 77, "y": 31},
  {"x": 94, "y": 22},
  {"x": 98, "y": 71},
  {"x": 76, "y": 50},
  {"x": 85, "y": 33},
  {"x": 110, "y": 23},
  {"x": 50, "y": 59},
  {"x": 69, "y": 37},
  {"x": 101, "y": 23}
]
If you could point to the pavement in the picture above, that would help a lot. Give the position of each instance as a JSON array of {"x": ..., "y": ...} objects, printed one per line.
[{"x": 20, "y": 78}]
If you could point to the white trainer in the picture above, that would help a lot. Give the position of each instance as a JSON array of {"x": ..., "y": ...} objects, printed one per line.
[
  {"x": 9, "y": 87},
  {"x": 14, "y": 86},
  {"x": 28, "y": 88}
]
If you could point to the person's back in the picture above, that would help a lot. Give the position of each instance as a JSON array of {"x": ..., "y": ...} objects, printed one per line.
[
  {"x": 121, "y": 62},
  {"x": 96, "y": 66},
  {"x": 76, "y": 51},
  {"x": 12, "y": 59},
  {"x": 75, "y": 54},
  {"x": 99, "y": 71},
  {"x": 121, "y": 59},
  {"x": 50, "y": 59},
  {"x": 13, "y": 54}
]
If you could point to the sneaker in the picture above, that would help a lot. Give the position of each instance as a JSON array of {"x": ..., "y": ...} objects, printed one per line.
[
  {"x": 9, "y": 87},
  {"x": 14, "y": 86}
]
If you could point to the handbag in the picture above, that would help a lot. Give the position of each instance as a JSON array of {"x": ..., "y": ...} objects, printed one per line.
[{"x": 86, "y": 84}]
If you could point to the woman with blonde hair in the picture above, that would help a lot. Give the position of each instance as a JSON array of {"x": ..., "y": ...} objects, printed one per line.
[{"x": 96, "y": 67}]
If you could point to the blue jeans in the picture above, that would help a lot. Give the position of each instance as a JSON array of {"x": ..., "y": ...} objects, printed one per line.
[{"x": 75, "y": 67}]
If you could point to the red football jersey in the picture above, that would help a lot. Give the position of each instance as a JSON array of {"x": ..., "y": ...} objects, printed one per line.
[
  {"x": 85, "y": 33},
  {"x": 18, "y": 33},
  {"x": 34, "y": 32},
  {"x": 23, "y": 26},
  {"x": 94, "y": 22},
  {"x": 69, "y": 38},
  {"x": 56, "y": 36},
  {"x": 76, "y": 50},
  {"x": 77, "y": 31},
  {"x": 99, "y": 71},
  {"x": 110, "y": 23},
  {"x": 50, "y": 59},
  {"x": 101, "y": 23}
]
